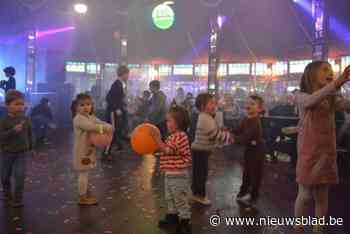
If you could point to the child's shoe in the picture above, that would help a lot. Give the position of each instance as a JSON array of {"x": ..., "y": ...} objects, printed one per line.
[
  {"x": 241, "y": 194},
  {"x": 184, "y": 227},
  {"x": 202, "y": 200},
  {"x": 170, "y": 219},
  {"x": 244, "y": 198},
  {"x": 87, "y": 201}
]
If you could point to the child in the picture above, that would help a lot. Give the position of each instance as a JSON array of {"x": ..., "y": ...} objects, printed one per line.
[
  {"x": 175, "y": 161},
  {"x": 85, "y": 122},
  {"x": 157, "y": 107},
  {"x": 317, "y": 158},
  {"x": 16, "y": 142},
  {"x": 207, "y": 136},
  {"x": 251, "y": 136},
  {"x": 42, "y": 117}
]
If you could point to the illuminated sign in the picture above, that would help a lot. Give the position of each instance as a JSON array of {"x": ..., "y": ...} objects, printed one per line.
[
  {"x": 239, "y": 69},
  {"x": 183, "y": 69},
  {"x": 163, "y": 16},
  {"x": 164, "y": 70},
  {"x": 298, "y": 66},
  {"x": 75, "y": 67},
  {"x": 93, "y": 68}
]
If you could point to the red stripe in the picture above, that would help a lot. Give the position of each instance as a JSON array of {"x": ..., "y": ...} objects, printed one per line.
[{"x": 183, "y": 159}]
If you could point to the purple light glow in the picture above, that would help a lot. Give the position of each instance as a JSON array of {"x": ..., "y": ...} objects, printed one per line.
[
  {"x": 338, "y": 28},
  {"x": 306, "y": 5},
  {"x": 221, "y": 20},
  {"x": 41, "y": 34}
]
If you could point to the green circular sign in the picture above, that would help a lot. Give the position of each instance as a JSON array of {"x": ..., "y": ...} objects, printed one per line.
[{"x": 163, "y": 17}]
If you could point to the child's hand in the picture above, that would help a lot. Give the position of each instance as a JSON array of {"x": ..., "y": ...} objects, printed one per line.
[
  {"x": 108, "y": 128},
  {"x": 232, "y": 139},
  {"x": 155, "y": 135},
  {"x": 345, "y": 76},
  {"x": 19, "y": 127}
]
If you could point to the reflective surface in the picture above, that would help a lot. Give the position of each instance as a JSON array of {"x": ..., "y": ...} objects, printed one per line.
[{"x": 130, "y": 196}]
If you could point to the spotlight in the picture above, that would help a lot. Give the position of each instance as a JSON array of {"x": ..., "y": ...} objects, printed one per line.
[
  {"x": 124, "y": 42},
  {"x": 220, "y": 21},
  {"x": 295, "y": 1},
  {"x": 81, "y": 8},
  {"x": 32, "y": 36}
]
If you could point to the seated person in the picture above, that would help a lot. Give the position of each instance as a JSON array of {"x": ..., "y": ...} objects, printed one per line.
[{"x": 42, "y": 118}]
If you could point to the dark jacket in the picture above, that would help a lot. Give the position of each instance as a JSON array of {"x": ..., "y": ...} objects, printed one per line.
[
  {"x": 10, "y": 140},
  {"x": 116, "y": 97},
  {"x": 157, "y": 111},
  {"x": 42, "y": 110},
  {"x": 8, "y": 85},
  {"x": 250, "y": 134}
]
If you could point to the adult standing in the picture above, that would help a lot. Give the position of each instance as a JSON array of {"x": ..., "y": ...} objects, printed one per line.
[
  {"x": 10, "y": 72},
  {"x": 157, "y": 111},
  {"x": 116, "y": 109}
]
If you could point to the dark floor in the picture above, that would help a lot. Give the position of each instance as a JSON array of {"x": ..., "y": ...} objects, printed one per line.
[{"x": 130, "y": 195}]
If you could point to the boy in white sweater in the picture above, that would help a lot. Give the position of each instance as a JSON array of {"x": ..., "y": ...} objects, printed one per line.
[{"x": 207, "y": 136}]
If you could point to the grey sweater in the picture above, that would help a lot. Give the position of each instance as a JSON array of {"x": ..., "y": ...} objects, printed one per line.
[{"x": 208, "y": 134}]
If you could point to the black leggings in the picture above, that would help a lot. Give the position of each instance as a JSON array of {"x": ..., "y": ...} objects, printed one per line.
[{"x": 200, "y": 172}]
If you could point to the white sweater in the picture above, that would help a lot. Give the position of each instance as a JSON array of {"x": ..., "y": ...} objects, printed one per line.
[{"x": 208, "y": 134}]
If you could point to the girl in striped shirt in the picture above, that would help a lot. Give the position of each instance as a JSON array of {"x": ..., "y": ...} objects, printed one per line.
[{"x": 175, "y": 161}]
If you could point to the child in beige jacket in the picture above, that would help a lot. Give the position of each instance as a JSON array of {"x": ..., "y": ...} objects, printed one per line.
[{"x": 85, "y": 123}]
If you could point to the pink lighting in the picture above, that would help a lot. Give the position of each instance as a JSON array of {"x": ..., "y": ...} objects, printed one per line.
[{"x": 40, "y": 34}]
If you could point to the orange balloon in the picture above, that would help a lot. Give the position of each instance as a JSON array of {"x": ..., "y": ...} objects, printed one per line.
[
  {"x": 142, "y": 141},
  {"x": 101, "y": 140}
]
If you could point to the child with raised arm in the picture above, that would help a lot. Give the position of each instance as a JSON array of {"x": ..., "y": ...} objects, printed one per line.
[{"x": 317, "y": 156}]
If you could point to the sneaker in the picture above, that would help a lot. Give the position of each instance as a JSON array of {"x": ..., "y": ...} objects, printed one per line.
[
  {"x": 170, "y": 219},
  {"x": 244, "y": 198},
  {"x": 184, "y": 227},
  {"x": 87, "y": 201},
  {"x": 241, "y": 194},
  {"x": 91, "y": 197},
  {"x": 202, "y": 200}
]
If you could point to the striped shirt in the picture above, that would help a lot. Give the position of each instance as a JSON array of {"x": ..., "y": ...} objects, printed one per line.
[
  {"x": 179, "y": 156},
  {"x": 208, "y": 134}
]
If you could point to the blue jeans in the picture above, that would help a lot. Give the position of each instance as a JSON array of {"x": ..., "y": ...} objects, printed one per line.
[{"x": 13, "y": 163}]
